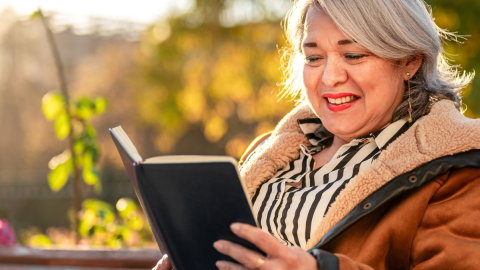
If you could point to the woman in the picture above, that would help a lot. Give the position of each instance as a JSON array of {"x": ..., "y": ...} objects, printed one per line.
[{"x": 377, "y": 168}]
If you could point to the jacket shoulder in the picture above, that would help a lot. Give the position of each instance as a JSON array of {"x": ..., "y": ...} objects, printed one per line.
[
  {"x": 459, "y": 179},
  {"x": 255, "y": 143}
]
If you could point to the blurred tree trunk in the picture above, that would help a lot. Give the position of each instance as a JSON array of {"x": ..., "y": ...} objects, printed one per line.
[{"x": 77, "y": 193}]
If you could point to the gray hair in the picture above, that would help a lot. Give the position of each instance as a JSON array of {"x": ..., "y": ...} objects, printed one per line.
[{"x": 390, "y": 29}]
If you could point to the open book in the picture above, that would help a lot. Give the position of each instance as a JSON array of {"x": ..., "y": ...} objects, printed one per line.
[{"x": 190, "y": 202}]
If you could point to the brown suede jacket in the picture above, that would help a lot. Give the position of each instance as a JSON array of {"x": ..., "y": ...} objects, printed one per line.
[{"x": 416, "y": 207}]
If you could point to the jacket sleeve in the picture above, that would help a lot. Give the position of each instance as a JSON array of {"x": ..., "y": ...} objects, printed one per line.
[
  {"x": 253, "y": 146},
  {"x": 329, "y": 261},
  {"x": 448, "y": 236}
]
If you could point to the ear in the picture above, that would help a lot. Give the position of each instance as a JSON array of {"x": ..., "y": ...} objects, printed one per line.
[{"x": 411, "y": 65}]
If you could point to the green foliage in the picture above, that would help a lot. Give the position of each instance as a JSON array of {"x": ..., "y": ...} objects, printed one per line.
[
  {"x": 60, "y": 168},
  {"x": 36, "y": 15},
  {"x": 85, "y": 108},
  {"x": 461, "y": 17},
  {"x": 222, "y": 81},
  {"x": 52, "y": 105},
  {"x": 57, "y": 178},
  {"x": 85, "y": 145},
  {"x": 39, "y": 240},
  {"x": 102, "y": 225},
  {"x": 62, "y": 125}
]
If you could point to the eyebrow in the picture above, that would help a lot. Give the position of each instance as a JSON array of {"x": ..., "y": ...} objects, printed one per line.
[
  {"x": 346, "y": 41},
  {"x": 310, "y": 44},
  {"x": 340, "y": 42}
]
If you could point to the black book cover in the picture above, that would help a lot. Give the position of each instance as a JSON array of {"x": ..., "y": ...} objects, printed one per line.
[{"x": 190, "y": 205}]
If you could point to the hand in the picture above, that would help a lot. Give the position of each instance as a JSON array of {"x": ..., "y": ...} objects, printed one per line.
[
  {"x": 163, "y": 264},
  {"x": 279, "y": 257}
]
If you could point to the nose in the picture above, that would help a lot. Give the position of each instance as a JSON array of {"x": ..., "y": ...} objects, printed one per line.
[{"x": 333, "y": 73}]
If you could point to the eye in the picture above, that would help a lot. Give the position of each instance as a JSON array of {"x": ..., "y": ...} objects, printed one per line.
[
  {"x": 354, "y": 57},
  {"x": 313, "y": 60}
]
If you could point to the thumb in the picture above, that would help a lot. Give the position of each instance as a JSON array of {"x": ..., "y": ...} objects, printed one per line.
[{"x": 164, "y": 264}]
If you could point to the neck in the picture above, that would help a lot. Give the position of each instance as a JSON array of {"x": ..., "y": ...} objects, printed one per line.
[{"x": 338, "y": 141}]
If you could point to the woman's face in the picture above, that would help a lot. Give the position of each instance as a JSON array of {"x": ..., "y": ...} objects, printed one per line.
[{"x": 353, "y": 91}]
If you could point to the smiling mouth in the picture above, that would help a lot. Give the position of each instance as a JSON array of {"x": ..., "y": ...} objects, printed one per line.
[{"x": 342, "y": 100}]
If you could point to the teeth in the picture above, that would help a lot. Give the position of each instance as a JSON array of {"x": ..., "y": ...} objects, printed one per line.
[{"x": 342, "y": 100}]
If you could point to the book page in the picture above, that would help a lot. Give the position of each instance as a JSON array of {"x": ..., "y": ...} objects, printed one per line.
[
  {"x": 190, "y": 159},
  {"x": 126, "y": 143}
]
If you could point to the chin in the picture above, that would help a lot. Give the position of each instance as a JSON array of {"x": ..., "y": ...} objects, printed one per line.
[
  {"x": 340, "y": 132},
  {"x": 342, "y": 128},
  {"x": 347, "y": 121}
]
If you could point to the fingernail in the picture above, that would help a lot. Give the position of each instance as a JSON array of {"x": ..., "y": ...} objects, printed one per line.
[
  {"x": 220, "y": 264},
  {"x": 235, "y": 227},
  {"x": 218, "y": 245}
]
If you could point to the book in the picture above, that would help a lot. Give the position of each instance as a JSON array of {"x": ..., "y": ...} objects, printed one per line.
[{"x": 189, "y": 201}]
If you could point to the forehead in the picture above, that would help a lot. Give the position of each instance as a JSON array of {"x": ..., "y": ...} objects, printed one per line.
[{"x": 319, "y": 24}]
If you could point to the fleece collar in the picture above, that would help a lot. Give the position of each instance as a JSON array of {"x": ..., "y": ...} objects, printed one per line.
[{"x": 445, "y": 131}]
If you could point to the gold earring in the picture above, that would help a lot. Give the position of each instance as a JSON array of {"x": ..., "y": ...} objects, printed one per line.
[{"x": 410, "y": 110}]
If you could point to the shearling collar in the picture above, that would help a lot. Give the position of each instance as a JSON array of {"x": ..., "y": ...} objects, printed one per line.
[{"x": 445, "y": 131}]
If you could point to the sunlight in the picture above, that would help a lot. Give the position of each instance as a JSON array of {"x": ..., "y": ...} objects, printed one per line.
[{"x": 142, "y": 11}]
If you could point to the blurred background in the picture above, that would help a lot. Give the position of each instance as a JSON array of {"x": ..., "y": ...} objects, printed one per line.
[{"x": 181, "y": 77}]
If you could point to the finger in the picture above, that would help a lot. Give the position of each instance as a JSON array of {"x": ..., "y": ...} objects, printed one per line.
[
  {"x": 164, "y": 264},
  {"x": 224, "y": 265},
  {"x": 262, "y": 239},
  {"x": 295, "y": 248},
  {"x": 158, "y": 266},
  {"x": 167, "y": 264},
  {"x": 268, "y": 264},
  {"x": 246, "y": 257}
]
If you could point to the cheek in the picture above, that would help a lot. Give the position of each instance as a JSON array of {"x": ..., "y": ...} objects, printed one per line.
[
  {"x": 307, "y": 78},
  {"x": 379, "y": 84},
  {"x": 311, "y": 81}
]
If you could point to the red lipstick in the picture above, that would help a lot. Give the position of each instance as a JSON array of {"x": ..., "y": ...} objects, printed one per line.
[
  {"x": 340, "y": 107},
  {"x": 338, "y": 95}
]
